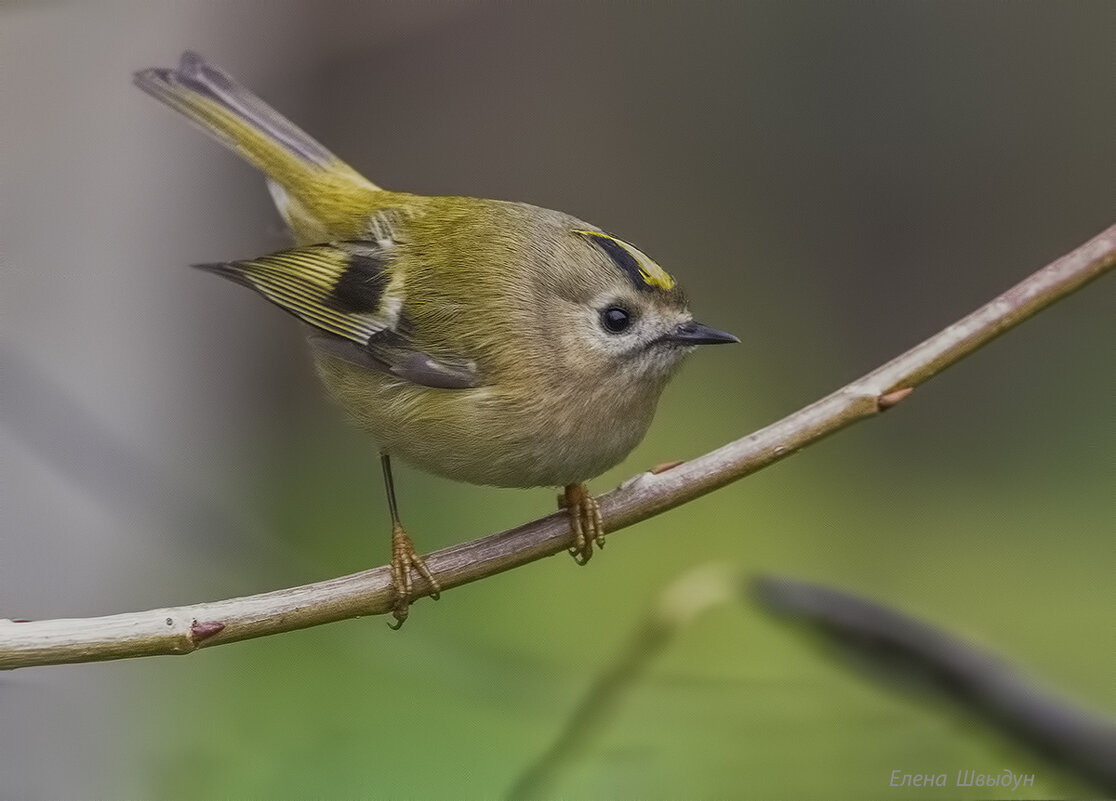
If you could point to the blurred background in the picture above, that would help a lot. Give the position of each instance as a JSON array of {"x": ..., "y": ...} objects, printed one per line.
[{"x": 831, "y": 181}]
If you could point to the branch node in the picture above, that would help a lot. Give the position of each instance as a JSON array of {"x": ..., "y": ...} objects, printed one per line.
[
  {"x": 664, "y": 466},
  {"x": 889, "y": 399},
  {"x": 200, "y": 631}
]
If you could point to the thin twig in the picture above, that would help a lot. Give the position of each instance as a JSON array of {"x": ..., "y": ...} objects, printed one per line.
[
  {"x": 695, "y": 592},
  {"x": 183, "y": 629}
]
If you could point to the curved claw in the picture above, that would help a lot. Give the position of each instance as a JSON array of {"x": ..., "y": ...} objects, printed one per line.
[{"x": 579, "y": 557}]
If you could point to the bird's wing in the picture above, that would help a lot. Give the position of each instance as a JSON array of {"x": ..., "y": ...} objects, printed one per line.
[{"x": 346, "y": 291}]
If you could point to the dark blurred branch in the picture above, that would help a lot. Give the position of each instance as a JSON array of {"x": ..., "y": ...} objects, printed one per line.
[
  {"x": 898, "y": 649},
  {"x": 183, "y": 629},
  {"x": 893, "y": 648}
]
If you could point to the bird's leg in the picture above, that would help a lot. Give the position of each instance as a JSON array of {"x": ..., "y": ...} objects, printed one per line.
[
  {"x": 586, "y": 526},
  {"x": 404, "y": 557}
]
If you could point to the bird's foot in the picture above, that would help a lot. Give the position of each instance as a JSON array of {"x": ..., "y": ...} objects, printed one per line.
[
  {"x": 405, "y": 561},
  {"x": 586, "y": 526}
]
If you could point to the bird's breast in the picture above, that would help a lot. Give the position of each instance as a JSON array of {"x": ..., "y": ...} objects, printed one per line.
[{"x": 501, "y": 435}]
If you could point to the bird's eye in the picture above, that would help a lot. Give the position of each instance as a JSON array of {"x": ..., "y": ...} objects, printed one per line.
[{"x": 615, "y": 319}]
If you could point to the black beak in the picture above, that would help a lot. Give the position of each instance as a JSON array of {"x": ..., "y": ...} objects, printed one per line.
[{"x": 695, "y": 333}]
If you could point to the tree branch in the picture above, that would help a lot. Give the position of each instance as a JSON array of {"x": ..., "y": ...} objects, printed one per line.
[{"x": 179, "y": 630}]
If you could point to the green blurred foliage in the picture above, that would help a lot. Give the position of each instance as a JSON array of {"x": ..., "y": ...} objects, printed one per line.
[
  {"x": 832, "y": 182},
  {"x": 477, "y": 685}
]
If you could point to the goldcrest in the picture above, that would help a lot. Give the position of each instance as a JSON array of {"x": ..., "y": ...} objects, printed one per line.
[{"x": 485, "y": 341}]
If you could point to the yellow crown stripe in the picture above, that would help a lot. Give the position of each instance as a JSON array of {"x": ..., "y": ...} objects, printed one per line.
[
  {"x": 651, "y": 272},
  {"x": 633, "y": 261}
]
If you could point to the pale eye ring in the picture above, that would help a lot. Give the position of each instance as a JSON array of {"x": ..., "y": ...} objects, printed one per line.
[{"x": 615, "y": 319}]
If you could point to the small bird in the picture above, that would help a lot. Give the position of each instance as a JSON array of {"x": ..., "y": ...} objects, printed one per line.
[{"x": 486, "y": 341}]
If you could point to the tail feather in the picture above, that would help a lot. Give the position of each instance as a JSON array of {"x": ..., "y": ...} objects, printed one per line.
[
  {"x": 325, "y": 186},
  {"x": 209, "y": 81}
]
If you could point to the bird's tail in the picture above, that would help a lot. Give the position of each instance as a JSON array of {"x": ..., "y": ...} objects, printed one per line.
[{"x": 310, "y": 185}]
